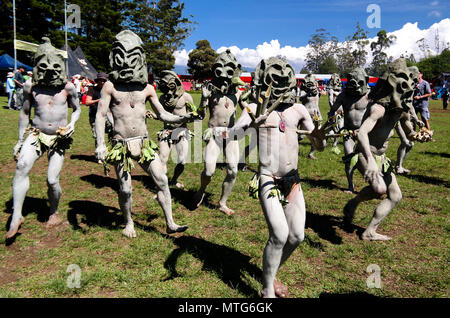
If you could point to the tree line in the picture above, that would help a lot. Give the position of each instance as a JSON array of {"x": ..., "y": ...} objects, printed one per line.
[
  {"x": 327, "y": 55},
  {"x": 161, "y": 25}
]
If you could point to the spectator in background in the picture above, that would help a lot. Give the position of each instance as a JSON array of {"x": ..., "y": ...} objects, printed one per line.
[
  {"x": 445, "y": 95},
  {"x": 76, "y": 82},
  {"x": 10, "y": 85},
  {"x": 422, "y": 92},
  {"x": 92, "y": 99},
  {"x": 27, "y": 76},
  {"x": 19, "y": 81}
]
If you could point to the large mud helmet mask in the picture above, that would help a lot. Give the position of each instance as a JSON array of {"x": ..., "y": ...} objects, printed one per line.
[
  {"x": 357, "y": 81},
  {"x": 335, "y": 82},
  {"x": 280, "y": 75},
  {"x": 394, "y": 90},
  {"x": 225, "y": 67},
  {"x": 127, "y": 59},
  {"x": 49, "y": 69},
  {"x": 171, "y": 87},
  {"x": 310, "y": 85}
]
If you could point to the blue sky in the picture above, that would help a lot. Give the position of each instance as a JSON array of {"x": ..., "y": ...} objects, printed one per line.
[{"x": 248, "y": 23}]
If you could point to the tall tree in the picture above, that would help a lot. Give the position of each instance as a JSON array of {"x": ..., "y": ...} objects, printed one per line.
[
  {"x": 162, "y": 27},
  {"x": 353, "y": 53},
  {"x": 201, "y": 60},
  {"x": 321, "y": 46},
  {"x": 328, "y": 66},
  {"x": 380, "y": 58}
]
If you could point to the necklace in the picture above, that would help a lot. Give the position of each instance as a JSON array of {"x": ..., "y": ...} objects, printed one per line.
[
  {"x": 131, "y": 100},
  {"x": 282, "y": 125}
]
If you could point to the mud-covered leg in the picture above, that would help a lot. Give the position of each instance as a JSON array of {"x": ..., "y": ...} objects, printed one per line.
[
  {"x": 164, "y": 153},
  {"x": 55, "y": 163},
  {"x": 154, "y": 168},
  {"x": 295, "y": 213},
  {"x": 403, "y": 150},
  {"x": 21, "y": 183},
  {"x": 125, "y": 199},
  {"x": 182, "y": 149},
  {"x": 212, "y": 152},
  {"x": 232, "y": 157},
  {"x": 365, "y": 194},
  {"x": 394, "y": 196},
  {"x": 349, "y": 145},
  {"x": 278, "y": 235}
]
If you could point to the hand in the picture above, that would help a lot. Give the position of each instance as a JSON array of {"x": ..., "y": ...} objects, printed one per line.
[
  {"x": 100, "y": 152},
  {"x": 206, "y": 90},
  {"x": 70, "y": 130},
  {"x": 420, "y": 123},
  {"x": 416, "y": 97},
  {"x": 372, "y": 174},
  {"x": 16, "y": 149}
]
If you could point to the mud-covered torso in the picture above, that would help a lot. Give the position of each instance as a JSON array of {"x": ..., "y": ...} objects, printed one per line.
[
  {"x": 222, "y": 109},
  {"x": 129, "y": 110},
  {"x": 178, "y": 109},
  {"x": 354, "y": 108},
  {"x": 51, "y": 109},
  {"x": 278, "y": 151},
  {"x": 311, "y": 103},
  {"x": 383, "y": 131}
]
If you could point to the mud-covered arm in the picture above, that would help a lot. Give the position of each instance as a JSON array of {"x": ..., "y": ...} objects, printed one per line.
[
  {"x": 376, "y": 112},
  {"x": 102, "y": 110},
  {"x": 161, "y": 113},
  {"x": 334, "y": 107},
  {"x": 406, "y": 123},
  {"x": 316, "y": 136},
  {"x": 74, "y": 102},
  {"x": 24, "y": 116}
]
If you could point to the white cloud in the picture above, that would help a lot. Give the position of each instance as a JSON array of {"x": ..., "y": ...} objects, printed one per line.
[
  {"x": 406, "y": 43},
  {"x": 434, "y": 3},
  {"x": 434, "y": 13}
]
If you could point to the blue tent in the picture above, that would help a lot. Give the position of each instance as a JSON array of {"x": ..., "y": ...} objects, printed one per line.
[{"x": 7, "y": 63}]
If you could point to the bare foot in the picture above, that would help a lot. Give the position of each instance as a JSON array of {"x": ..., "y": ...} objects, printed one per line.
[
  {"x": 179, "y": 185},
  {"x": 129, "y": 231},
  {"x": 280, "y": 289},
  {"x": 375, "y": 237},
  {"x": 263, "y": 294},
  {"x": 14, "y": 227},
  {"x": 226, "y": 210},
  {"x": 349, "y": 191},
  {"x": 53, "y": 220},
  {"x": 401, "y": 170},
  {"x": 176, "y": 229},
  {"x": 311, "y": 156}
]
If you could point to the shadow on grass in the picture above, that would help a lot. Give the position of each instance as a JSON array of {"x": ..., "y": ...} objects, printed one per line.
[
  {"x": 185, "y": 197},
  {"x": 94, "y": 214},
  {"x": 87, "y": 158},
  {"x": 99, "y": 181},
  {"x": 428, "y": 180},
  {"x": 323, "y": 183},
  {"x": 324, "y": 226},
  {"x": 30, "y": 205},
  {"x": 438, "y": 154},
  {"x": 226, "y": 262}
]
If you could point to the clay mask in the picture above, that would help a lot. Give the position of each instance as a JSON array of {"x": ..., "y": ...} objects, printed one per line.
[
  {"x": 127, "y": 59},
  {"x": 394, "y": 90},
  {"x": 278, "y": 73},
  {"x": 310, "y": 85},
  {"x": 49, "y": 69},
  {"x": 357, "y": 81},
  {"x": 335, "y": 82},
  {"x": 225, "y": 67},
  {"x": 171, "y": 87}
]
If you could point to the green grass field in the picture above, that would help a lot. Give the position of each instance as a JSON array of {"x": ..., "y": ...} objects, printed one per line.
[{"x": 221, "y": 256}]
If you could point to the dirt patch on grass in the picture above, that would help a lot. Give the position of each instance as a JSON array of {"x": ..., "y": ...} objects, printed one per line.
[{"x": 23, "y": 258}]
